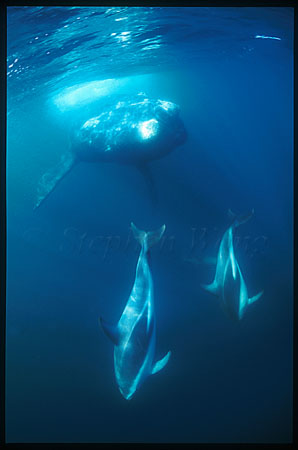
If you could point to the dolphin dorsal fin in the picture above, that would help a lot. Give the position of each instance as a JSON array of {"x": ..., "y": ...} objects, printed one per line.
[
  {"x": 111, "y": 331},
  {"x": 161, "y": 363},
  {"x": 255, "y": 298}
]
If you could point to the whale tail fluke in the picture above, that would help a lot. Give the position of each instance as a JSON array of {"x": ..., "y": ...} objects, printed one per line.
[
  {"x": 147, "y": 238},
  {"x": 238, "y": 220},
  {"x": 52, "y": 178}
]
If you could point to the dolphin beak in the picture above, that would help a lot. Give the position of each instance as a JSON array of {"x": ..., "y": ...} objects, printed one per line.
[{"x": 126, "y": 395}]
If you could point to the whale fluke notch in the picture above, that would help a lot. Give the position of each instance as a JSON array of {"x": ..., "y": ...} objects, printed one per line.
[
  {"x": 159, "y": 365},
  {"x": 50, "y": 180},
  {"x": 239, "y": 219},
  {"x": 110, "y": 330},
  {"x": 147, "y": 238}
]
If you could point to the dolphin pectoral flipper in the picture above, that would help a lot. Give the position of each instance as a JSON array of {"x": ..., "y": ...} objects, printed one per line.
[
  {"x": 255, "y": 298},
  {"x": 111, "y": 331},
  {"x": 212, "y": 288},
  {"x": 52, "y": 177},
  {"x": 147, "y": 238},
  {"x": 159, "y": 365}
]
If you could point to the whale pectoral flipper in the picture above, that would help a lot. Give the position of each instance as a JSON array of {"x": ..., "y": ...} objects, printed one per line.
[
  {"x": 52, "y": 177},
  {"x": 145, "y": 170},
  {"x": 255, "y": 298},
  {"x": 161, "y": 363},
  {"x": 110, "y": 330}
]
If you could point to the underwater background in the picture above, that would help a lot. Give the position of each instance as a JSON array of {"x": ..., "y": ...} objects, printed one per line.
[{"x": 72, "y": 260}]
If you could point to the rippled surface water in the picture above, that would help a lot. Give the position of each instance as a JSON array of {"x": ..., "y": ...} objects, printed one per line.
[
  {"x": 72, "y": 260},
  {"x": 50, "y": 47}
]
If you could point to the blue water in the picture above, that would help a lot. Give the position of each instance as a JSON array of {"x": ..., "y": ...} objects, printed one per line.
[{"x": 231, "y": 72}]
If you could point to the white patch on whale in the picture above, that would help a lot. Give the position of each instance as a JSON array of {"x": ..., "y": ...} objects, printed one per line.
[{"x": 149, "y": 128}]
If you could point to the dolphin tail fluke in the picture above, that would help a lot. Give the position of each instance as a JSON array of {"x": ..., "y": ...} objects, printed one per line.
[
  {"x": 147, "y": 238},
  {"x": 238, "y": 220},
  {"x": 159, "y": 365},
  {"x": 212, "y": 288},
  {"x": 255, "y": 298},
  {"x": 52, "y": 178},
  {"x": 110, "y": 330}
]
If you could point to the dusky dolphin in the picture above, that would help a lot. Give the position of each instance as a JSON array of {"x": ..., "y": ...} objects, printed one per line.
[
  {"x": 134, "y": 130},
  {"x": 135, "y": 334},
  {"x": 228, "y": 283}
]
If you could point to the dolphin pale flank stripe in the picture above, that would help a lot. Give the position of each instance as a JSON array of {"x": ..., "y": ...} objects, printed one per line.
[
  {"x": 228, "y": 283},
  {"x": 135, "y": 334},
  {"x": 134, "y": 130}
]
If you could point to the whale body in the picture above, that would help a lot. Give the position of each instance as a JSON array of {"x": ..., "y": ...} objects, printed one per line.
[
  {"x": 228, "y": 282},
  {"x": 133, "y": 130},
  {"x": 134, "y": 336}
]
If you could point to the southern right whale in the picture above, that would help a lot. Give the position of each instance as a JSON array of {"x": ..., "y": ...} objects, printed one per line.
[
  {"x": 133, "y": 130},
  {"x": 228, "y": 283}
]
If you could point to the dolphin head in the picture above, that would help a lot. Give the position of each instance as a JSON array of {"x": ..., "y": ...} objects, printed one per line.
[
  {"x": 233, "y": 314},
  {"x": 127, "y": 393},
  {"x": 127, "y": 387}
]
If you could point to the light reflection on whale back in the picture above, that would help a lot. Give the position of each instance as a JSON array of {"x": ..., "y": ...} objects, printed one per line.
[{"x": 132, "y": 130}]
